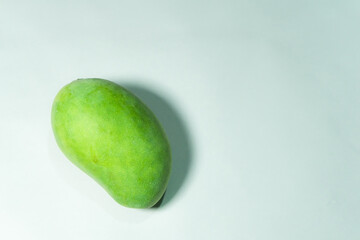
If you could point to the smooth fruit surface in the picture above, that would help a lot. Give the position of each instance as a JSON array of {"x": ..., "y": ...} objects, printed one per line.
[{"x": 113, "y": 137}]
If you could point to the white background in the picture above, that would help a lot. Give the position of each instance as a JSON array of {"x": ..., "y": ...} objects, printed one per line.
[{"x": 260, "y": 100}]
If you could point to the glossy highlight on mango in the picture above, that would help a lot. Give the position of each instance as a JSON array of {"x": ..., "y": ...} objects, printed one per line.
[{"x": 112, "y": 136}]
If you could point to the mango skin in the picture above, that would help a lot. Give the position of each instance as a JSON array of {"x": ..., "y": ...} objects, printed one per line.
[{"x": 113, "y": 137}]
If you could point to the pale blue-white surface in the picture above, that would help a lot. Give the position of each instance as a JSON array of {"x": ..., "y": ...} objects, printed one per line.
[{"x": 268, "y": 92}]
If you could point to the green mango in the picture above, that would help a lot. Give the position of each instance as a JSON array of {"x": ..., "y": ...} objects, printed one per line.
[{"x": 112, "y": 136}]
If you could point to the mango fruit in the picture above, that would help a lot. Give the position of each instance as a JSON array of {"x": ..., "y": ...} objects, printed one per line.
[{"x": 112, "y": 136}]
